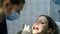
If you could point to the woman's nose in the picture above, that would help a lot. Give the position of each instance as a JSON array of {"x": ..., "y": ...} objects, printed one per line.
[{"x": 37, "y": 23}]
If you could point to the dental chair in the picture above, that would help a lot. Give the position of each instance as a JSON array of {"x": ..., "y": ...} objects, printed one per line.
[{"x": 58, "y": 23}]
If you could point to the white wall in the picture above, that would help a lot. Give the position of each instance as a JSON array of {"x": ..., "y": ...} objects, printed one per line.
[{"x": 54, "y": 12}]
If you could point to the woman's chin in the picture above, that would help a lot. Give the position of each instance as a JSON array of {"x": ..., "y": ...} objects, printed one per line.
[{"x": 35, "y": 31}]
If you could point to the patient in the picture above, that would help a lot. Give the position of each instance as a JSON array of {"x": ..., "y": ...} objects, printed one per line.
[{"x": 43, "y": 25}]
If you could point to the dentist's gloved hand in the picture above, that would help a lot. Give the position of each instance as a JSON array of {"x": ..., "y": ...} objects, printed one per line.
[{"x": 26, "y": 29}]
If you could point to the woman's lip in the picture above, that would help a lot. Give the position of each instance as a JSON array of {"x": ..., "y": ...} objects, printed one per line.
[{"x": 35, "y": 28}]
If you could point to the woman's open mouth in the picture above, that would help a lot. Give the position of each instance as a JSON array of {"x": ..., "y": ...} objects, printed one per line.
[{"x": 35, "y": 28}]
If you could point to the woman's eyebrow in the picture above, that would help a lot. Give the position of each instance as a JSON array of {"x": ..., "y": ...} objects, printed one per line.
[{"x": 40, "y": 20}]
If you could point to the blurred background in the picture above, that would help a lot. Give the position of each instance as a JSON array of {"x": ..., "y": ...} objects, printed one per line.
[{"x": 31, "y": 10}]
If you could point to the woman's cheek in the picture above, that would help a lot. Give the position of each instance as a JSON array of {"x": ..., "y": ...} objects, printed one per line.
[{"x": 43, "y": 26}]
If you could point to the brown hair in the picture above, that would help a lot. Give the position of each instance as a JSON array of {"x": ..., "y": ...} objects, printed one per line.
[
  {"x": 1, "y": 3},
  {"x": 17, "y": 2},
  {"x": 51, "y": 24}
]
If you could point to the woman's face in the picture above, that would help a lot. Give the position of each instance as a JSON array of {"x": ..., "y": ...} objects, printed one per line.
[{"x": 40, "y": 26}]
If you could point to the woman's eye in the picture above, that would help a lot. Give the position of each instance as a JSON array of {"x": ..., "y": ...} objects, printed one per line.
[{"x": 42, "y": 22}]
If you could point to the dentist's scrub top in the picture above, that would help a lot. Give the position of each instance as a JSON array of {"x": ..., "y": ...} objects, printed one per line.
[{"x": 13, "y": 24}]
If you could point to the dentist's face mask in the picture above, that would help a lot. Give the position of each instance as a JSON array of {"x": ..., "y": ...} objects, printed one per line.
[{"x": 13, "y": 16}]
